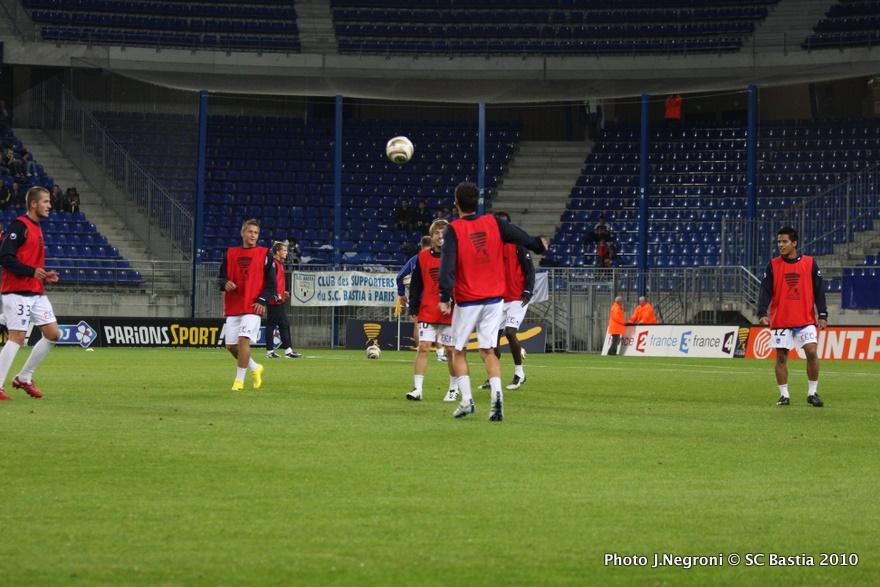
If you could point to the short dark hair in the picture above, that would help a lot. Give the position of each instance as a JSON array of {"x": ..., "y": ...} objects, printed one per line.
[
  {"x": 502, "y": 214},
  {"x": 787, "y": 230},
  {"x": 34, "y": 194},
  {"x": 467, "y": 195}
]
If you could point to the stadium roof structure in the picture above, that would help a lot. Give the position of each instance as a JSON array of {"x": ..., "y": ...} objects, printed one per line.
[{"x": 455, "y": 79}]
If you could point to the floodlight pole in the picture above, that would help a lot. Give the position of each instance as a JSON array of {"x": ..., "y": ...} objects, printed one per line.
[
  {"x": 481, "y": 159},
  {"x": 337, "y": 207},
  {"x": 751, "y": 179},
  {"x": 643, "y": 195},
  {"x": 198, "y": 250}
]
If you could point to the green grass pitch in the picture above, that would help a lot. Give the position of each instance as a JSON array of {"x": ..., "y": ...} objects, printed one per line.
[{"x": 141, "y": 467}]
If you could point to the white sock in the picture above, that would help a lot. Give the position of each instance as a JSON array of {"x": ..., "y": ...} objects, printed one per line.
[
  {"x": 418, "y": 380},
  {"x": 464, "y": 385},
  {"x": 453, "y": 383},
  {"x": 239, "y": 374},
  {"x": 289, "y": 350},
  {"x": 41, "y": 349},
  {"x": 7, "y": 355},
  {"x": 498, "y": 396},
  {"x": 495, "y": 385},
  {"x": 813, "y": 387},
  {"x": 783, "y": 389},
  {"x": 518, "y": 370},
  {"x": 252, "y": 365},
  {"x": 440, "y": 352}
]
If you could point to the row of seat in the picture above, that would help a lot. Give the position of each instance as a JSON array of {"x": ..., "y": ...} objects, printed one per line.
[
  {"x": 555, "y": 46},
  {"x": 139, "y": 37},
  {"x": 537, "y": 31},
  {"x": 139, "y": 21},
  {"x": 241, "y": 9},
  {"x": 496, "y": 15}
]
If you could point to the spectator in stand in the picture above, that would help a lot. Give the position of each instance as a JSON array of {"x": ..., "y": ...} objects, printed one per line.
[
  {"x": 18, "y": 196},
  {"x": 30, "y": 166},
  {"x": 295, "y": 253},
  {"x": 602, "y": 231},
  {"x": 56, "y": 198},
  {"x": 603, "y": 253},
  {"x": 673, "y": 109},
  {"x": 71, "y": 198},
  {"x": 5, "y": 197},
  {"x": 403, "y": 216},
  {"x": 14, "y": 164},
  {"x": 613, "y": 261},
  {"x": 5, "y": 115},
  {"x": 644, "y": 313},
  {"x": 422, "y": 218}
]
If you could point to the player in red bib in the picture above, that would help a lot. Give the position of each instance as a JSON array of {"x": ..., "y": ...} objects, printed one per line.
[
  {"x": 276, "y": 313},
  {"x": 472, "y": 272},
  {"x": 23, "y": 256},
  {"x": 247, "y": 275},
  {"x": 432, "y": 325},
  {"x": 792, "y": 290}
]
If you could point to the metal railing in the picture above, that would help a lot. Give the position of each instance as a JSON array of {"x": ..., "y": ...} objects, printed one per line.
[{"x": 144, "y": 205}]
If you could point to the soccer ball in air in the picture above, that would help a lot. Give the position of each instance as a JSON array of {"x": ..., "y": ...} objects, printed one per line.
[
  {"x": 399, "y": 150},
  {"x": 373, "y": 352}
]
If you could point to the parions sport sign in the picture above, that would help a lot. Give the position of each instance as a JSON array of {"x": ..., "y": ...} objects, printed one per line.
[{"x": 141, "y": 332}]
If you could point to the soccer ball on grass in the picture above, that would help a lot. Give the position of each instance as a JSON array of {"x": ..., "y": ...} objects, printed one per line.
[{"x": 373, "y": 352}]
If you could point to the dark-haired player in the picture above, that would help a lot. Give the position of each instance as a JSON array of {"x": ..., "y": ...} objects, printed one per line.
[
  {"x": 472, "y": 272},
  {"x": 792, "y": 290}
]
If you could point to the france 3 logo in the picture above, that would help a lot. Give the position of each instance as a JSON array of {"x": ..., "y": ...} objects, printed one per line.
[{"x": 81, "y": 334}]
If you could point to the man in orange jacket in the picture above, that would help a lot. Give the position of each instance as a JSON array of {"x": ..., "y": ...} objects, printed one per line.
[
  {"x": 644, "y": 313},
  {"x": 616, "y": 324}
]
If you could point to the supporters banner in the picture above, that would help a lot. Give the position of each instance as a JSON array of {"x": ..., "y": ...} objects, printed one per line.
[
  {"x": 718, "y": 342},
  {"x": 835, "y": 343},
  {"x": 359, "y": 334},
  {"x": 342, "y": 288}
]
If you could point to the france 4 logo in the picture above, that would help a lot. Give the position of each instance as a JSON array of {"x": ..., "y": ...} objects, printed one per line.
[{"x": 81, "y": 334}]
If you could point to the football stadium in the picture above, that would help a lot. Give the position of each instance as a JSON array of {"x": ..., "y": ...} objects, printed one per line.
[{"x": 706, "y": 179}]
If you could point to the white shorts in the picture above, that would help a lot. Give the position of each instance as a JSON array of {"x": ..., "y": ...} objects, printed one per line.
[
  {"x": 22, "y": 310},
  {"x": 785, "y": 338},
  {"x": 513, "y": 314},
  {"x": 441, "y": 333},
  {"x": 482, "y": 317},
  {"x": 247, "y": 325}
]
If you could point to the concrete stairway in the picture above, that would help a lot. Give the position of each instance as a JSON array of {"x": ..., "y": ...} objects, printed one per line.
[
  {"x": 164, "y": 292},
  {"x": 538, "y": 182},
  {"x": 314, "y": 19},
  {"x": 793, "y": 20},
  {"x": 62, "y": 170}
]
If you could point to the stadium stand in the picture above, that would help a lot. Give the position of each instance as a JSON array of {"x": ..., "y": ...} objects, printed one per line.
[
  {"x": 698, "y": 179},
  {"x": 288, "y": 183},
  {"x": 262, "y": 25},
  {"x": 544, "y": 26},
  {"x": 848, "y": 23},
  {"x": 74, "y": 247}
]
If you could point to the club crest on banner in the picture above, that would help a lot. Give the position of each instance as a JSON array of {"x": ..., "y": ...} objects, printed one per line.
[{"x": 303, "y": 287}]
